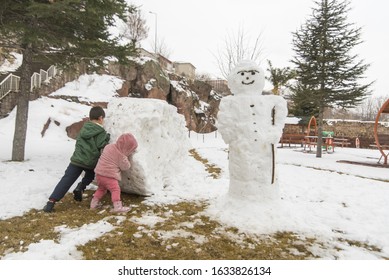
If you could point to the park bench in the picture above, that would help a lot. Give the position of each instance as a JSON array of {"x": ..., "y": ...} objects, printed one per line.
[
  {"x": 342, "y": 142},
  {"x": 327, "y": 143},
  {"x": 383, "y": 140},
  {"x": 290, "y": 138}
]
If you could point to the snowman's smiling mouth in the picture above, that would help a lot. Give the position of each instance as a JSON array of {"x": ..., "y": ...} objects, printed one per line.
[{"x": 250, "y": 83}]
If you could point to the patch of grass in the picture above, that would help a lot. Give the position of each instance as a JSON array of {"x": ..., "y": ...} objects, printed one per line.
[
  {"x": 359, "y": 244},
  {"x": 210, "y": 168},
  {"x": 187, "y": 234},
  {"x": 182, "y": 232},
  {"x": 18, "y": 232}
]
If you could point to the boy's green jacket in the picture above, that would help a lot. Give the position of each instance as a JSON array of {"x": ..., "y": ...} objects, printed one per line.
[{"x": 90, "y": 142}]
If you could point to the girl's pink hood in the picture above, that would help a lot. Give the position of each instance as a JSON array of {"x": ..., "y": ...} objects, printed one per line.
[{"x": 126, "y": 144}]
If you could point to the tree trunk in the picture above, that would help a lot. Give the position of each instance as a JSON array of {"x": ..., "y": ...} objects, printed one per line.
[
  {"x": 320, "y": 132},
  {"x": 276, "y": 90},
  {"x": 19, "y": 141}
]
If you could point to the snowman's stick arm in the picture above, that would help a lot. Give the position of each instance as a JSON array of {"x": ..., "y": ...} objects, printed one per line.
[{"x": 273, "y": 113}]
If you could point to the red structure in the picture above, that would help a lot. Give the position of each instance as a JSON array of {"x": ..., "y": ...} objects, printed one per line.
[
  {"x": 381, "y": 140},
  {"x": 312, "y": 131}
]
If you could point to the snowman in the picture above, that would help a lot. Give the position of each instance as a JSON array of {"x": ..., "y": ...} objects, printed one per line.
[{"x": 251, "y": 124}]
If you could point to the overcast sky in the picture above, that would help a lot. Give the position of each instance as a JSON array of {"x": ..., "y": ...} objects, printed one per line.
[{"x": 195, "y": 30}]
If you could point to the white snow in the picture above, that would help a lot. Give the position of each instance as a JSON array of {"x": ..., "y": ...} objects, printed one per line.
[
  {"x": 178, "y": 85},
  {"x": 150, "y": 84},
  {"x": 320, "y": 198},
  {"x": 292, "y": 120},
  {"x": 88, "y": 88},
  {"x": 11, "y": 66}
]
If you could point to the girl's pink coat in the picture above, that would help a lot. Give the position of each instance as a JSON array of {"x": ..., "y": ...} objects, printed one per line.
[{"x": 114, "y": 158}]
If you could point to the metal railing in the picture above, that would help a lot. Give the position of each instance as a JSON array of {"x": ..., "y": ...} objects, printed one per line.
[
  {"x": 52, "y": 71},
  {"x": 11, "y": 82},
  {"x": 35, "y": 81},
  {"x": 43, "y": 77}
]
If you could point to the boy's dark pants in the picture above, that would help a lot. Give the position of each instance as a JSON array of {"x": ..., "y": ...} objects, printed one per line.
[{"x": 71, "y": 175}]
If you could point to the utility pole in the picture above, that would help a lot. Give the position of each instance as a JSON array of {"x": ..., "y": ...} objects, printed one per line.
[{"x": 156, "y": 23}]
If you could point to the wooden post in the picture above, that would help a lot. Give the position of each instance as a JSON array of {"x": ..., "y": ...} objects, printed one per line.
[{"x": 273, "y": 113}]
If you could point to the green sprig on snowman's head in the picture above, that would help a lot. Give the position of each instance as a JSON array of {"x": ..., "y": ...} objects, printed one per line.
[{"x": 247, "y": 78}]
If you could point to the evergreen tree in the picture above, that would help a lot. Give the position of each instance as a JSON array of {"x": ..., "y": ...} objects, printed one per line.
[
  {"x": 61, "y": 32},
  {"x": 303, "y": 105},
  {"x": 328, "y": 74},
  {"x": 279, "y": 77}
]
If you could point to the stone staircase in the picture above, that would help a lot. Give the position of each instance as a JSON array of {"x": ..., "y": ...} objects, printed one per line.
[{"x": 7, "y": 103}]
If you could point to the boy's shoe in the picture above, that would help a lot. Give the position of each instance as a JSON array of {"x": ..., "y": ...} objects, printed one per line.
[
  {"x": 77, "y": 193},
  {"x": 49, "y": 207},
  {"x": 119, "y": 208}
]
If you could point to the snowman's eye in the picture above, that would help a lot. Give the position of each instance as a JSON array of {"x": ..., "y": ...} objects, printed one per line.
[
  {"x": 252, "y": 72},
  {"x": 242, "y": 74}
]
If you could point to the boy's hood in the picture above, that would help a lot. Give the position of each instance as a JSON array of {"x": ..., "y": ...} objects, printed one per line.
[{"x": 90, "y": 129}]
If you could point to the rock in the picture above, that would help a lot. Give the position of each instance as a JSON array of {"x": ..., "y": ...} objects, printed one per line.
[
  {"x": 199, "y": 107},
  {"x": 195, "y": 100},
  {"x": 73, "y": 130}
]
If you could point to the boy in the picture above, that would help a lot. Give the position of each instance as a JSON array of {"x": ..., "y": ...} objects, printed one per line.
[{"x": 90, "y": 142}]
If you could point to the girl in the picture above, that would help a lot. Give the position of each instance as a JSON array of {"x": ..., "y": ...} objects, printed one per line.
[{"x": 112, "y": 161}]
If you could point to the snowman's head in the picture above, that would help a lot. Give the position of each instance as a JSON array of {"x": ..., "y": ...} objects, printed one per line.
[{"x": 246, "y": 78}]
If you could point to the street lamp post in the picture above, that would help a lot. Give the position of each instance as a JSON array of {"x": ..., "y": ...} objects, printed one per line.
[{"x": 155, "y": 43}]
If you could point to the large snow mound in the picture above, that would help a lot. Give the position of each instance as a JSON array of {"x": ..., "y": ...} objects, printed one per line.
[{"x": 162, "y": 142}]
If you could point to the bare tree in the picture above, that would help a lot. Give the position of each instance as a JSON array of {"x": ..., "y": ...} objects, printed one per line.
[
  {"x": 238, "y": 46},
  {"x": 368, "y": 110},
  {"x": 203, "y": 76},
  {"x": 135, "y": 28},
  {"x": 161, "y": 47}
]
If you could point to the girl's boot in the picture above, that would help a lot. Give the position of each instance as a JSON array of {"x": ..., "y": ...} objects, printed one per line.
[
  {"x": 95, "y": 203},
  {"x": 119, "y": 208}
]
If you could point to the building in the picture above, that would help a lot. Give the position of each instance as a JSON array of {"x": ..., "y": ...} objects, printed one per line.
[
  {"x": 219, "y": 85},
  {"x": 145, "y": 53},
  {"x": 185, "y": 69},
  {"x": 165, "y": 63}
]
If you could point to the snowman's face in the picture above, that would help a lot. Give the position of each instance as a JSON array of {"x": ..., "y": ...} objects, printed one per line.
[{"x": 246, "y": 78}]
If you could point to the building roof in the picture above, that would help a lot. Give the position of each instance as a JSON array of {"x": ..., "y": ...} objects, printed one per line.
[{"x": 181, "y": 62}]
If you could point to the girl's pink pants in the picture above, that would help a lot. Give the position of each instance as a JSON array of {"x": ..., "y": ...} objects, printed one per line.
[{"x": 107, "y": 184}]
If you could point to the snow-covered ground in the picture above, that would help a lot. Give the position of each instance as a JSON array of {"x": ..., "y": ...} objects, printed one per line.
[{"x": 319, "y": 197}]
